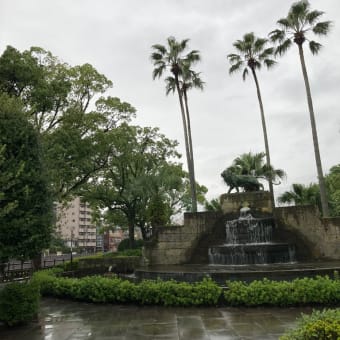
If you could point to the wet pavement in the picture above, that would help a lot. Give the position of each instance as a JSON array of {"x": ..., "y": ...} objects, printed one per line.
[{"x": 67, "y": 320}]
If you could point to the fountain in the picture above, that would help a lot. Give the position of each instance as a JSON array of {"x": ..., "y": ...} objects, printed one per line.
[
  {"x": 249, "y": 240},
  {"x": 244, "y": 243}
]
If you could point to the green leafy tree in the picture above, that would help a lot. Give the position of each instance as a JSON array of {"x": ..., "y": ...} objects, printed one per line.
[
  {"x": 25, "y": 201},
  {"x": 294, "y": 28},
  {"x": 251, "y": 55},
  {"x": 134, "y": 175},
  {"x": 59, "y": 100},
  {"x": 333, "y": 186},
  {"x": 172, "y": 58}
]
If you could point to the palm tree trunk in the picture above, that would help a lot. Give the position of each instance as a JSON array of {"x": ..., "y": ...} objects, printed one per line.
[
  {"x": 185, "y": 128},
  {"x": 264, "y": 128},
  {"x": 190, "y": 148},
  {"x": 323, "y": 194}
]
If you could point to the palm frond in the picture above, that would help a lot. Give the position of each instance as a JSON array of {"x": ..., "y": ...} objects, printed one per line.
[
  {"x": 259, "y": 44},
  {"x": 155, "y": 56},
  {"x": 240, "y": 46},
  {"x": 183, "y": 44},
  {"x": 245, "y": 74},
  {"x": 284, "y": 23},
  {"x": 193, "y": 57},
  {"x": 283, "y": 47},
  {"x": 257, "y": 65},
  {"x": 249, "y": 38},
  {"x": 266, "y": 53},
  {"x": 286, "y": 197},
  {"x": 157, "y": 72},
  {"x": 170, "y": 85},
  {"x": 314, "y": 47},
  {"x": 313, "y": 16},
  {"x": 160, "y": 48},
  {"x": 233, "y": 58},
  {"x": 322, "y": 28},
  {"x": 236, "y": 67},
  {"x": 298, "y": 13},
  {"x": 191, "y": 79},
  {"x": 269, "y": 63},
  {"x": 277, "y": 36}
]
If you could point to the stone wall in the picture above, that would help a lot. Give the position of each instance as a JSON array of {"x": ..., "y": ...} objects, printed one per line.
[
  {"x": 315, "y": 238},
  {"x": 257, "y": 201},
  {"x": 321, "y": 235},
  {"x": 174, "y": 245}
]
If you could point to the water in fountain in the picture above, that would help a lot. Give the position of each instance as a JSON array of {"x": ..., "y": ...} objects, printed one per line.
[{"x": 249, "y": 241}]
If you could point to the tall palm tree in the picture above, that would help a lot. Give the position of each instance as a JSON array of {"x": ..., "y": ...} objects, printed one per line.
[
  {"x": 252, "y": 54},
  {"x": 189, "y": 79},
  {"x": 172, "y": 58},
  {"x": 300, "y": 21}
]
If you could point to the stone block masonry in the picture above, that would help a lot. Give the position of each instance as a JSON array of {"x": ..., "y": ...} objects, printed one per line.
[
  {"x": 174, "y": 245},
  {"x": 322, "y": 234},
  {"x": 177, "y": 244}
]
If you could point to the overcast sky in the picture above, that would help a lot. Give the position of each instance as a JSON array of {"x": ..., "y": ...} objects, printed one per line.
[{"x": 116, "y": 36}]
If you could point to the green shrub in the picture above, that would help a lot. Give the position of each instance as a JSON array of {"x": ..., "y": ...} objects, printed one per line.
[
  {"x": 115, "y": 290},
  {"x": 172, "y": 293},
  {"x": 319, "y": 290},
  {"x": 319, "y": 325},
  {"x": 125, "y": 244},
  {"x": 19, "y": 303}
]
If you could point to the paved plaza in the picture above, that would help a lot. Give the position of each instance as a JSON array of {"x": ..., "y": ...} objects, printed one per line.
[{"x": 66, "y": 320}]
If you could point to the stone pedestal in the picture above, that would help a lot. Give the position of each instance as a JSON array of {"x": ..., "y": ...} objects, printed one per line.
[{"x": 255, "y": 200}]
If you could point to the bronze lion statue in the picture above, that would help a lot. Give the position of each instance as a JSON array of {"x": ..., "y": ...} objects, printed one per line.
[{"x": 247, "y": 182}]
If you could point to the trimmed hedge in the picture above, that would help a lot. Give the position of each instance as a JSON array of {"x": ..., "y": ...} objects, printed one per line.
[
  {"x": 319, "y": 325},
  {"x": 318, "y": 290},
  {"x": 19, "y": 303},
  {"x": 115, "y": 290}
]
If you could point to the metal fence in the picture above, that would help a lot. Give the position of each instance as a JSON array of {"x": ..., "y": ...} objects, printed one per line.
[{"x": 21, "y": 270}]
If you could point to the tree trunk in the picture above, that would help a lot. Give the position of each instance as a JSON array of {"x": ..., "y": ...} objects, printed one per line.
[
  {"x": 323, "y": 194},
  {"x": 191, "y": 175},
  {"x": 36, "y": 262},
  {"x": 131, "y": 227},
  {"x": 264, "y": 128},
  {"x": 194, "y": 195}
]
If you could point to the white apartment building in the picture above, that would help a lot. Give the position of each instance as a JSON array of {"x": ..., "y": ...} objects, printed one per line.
[{"x": 75, "y": 226}]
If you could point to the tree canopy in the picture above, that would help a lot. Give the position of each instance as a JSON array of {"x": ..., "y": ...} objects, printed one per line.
[
  {"x": 140, "y": 185},
  {"x": 67, "y": 107},
  {"x": 25, "y": 199}
]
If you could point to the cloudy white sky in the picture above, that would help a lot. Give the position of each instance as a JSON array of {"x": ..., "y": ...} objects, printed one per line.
[{"x": 116, "y": 36}]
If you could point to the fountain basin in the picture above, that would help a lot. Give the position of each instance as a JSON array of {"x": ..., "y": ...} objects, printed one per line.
[
  {"x": 251, "y": 253},
  {"x": 221, "y": 273}
]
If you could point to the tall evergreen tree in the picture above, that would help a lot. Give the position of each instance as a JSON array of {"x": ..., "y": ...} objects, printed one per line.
[{"x": 25, "y": 201}]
